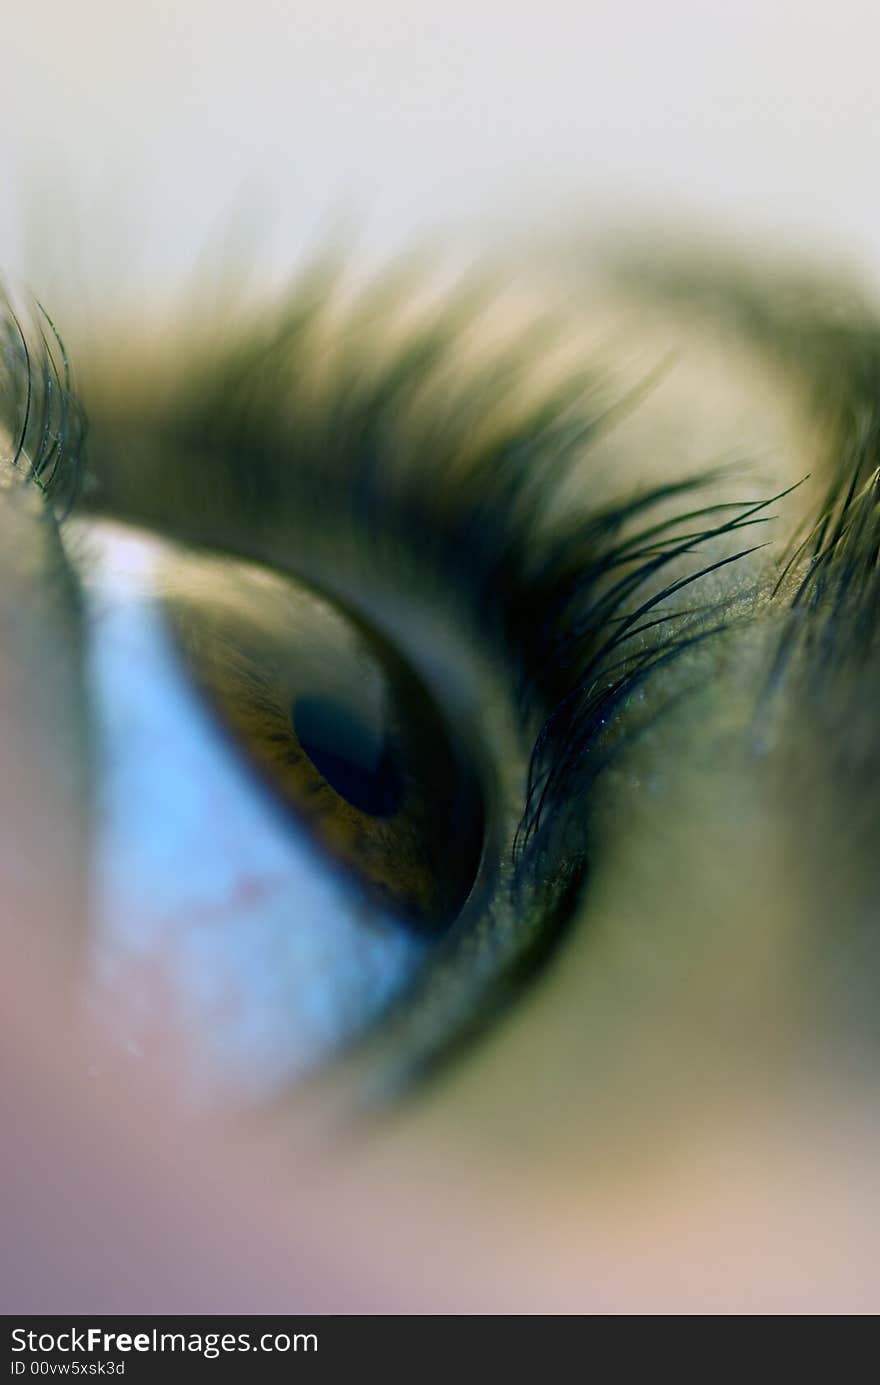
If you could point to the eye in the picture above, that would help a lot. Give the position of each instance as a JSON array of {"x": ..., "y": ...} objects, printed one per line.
[
  {"x": 340, "y": 728},
  {"x": 289, "y": 823}
]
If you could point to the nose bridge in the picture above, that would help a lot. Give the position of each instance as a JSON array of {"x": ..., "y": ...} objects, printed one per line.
[{"x": 44, "y": 795}]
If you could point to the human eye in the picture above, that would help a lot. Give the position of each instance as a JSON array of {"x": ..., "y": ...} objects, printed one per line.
[{"x": 492, "y": 533}]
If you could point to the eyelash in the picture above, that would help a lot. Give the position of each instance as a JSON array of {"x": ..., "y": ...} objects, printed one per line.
[
  {"x": 567, "y": 604},
  {"x": 44, "y": 419}
]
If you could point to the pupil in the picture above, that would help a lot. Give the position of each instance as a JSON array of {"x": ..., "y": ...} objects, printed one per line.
[{"x": 351, "y": 754}]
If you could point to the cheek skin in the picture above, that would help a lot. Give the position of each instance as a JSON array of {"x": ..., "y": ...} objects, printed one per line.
[{"x": 119, "y": 1202}]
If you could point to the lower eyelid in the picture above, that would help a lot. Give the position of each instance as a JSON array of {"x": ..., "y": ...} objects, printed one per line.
[{"x": 211, "y": 913}]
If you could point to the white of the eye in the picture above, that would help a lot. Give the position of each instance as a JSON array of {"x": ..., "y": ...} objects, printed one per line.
[{"x": 212, "y": 912}]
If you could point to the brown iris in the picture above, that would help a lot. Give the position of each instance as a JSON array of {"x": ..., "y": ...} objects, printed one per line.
[{"x": 340, "y": 728}]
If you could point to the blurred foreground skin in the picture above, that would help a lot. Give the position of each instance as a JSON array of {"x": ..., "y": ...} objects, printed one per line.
[{"x": 678, "y": 1116}]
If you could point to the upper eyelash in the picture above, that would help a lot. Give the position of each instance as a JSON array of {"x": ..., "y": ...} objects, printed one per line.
[{"x": 547, "y": 589}]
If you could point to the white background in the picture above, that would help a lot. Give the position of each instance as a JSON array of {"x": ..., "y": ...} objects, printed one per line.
[{"x": 136, "y": 134}]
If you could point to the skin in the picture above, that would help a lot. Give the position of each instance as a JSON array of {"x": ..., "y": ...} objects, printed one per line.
[{"x": 677, "y": 1116}]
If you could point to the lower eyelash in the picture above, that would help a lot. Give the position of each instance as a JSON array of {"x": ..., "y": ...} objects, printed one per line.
[
  {"x": 601, "y": 619},
  {"x": 41, "y": 417}
]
